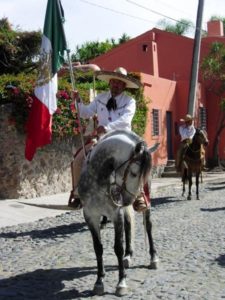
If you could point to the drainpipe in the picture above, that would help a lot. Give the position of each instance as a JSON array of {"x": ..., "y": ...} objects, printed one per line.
[{"x": 195, "y": 60}]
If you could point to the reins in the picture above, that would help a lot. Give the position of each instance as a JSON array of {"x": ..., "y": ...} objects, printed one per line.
[{"x": 117, "y": 193}]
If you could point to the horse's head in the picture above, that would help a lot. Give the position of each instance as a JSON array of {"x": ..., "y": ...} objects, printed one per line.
[
  {"x": 129, "y": 176},
  {"x": 201, "y": 137}
]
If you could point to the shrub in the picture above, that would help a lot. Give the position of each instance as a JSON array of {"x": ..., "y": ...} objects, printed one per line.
[{"x": 19, "y": 90}]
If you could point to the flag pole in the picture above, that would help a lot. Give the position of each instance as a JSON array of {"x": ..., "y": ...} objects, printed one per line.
[{"x": 76, "y": 104}]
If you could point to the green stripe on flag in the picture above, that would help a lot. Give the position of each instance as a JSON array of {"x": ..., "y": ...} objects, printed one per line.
[{"x": 54, "y": 31}]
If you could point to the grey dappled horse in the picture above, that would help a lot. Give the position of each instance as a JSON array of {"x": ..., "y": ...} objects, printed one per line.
[
  {"x": 193, "y": 161},
  {"x": 111, "y": 177}
]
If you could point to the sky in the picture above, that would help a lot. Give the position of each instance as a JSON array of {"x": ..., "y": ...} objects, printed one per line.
[{"x": 98, "y": 20}]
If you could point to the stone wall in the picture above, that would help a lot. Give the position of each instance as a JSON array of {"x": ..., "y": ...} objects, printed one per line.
[
  {"x": 47, "y": 174},
  {"x": 49, "y": 171}
]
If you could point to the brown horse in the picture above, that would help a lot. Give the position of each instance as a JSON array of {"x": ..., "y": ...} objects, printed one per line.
[{"x": 194, "y": 161}]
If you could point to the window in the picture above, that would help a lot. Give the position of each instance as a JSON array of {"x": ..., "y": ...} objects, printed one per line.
[
  {"x": 202, "y": 118},
  {"x": 145, "y": 48},
  {"x": 155, "y": 122}
]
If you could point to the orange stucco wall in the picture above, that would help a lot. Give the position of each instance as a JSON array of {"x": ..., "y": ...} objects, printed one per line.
[
  {"x": 161, "y": 96},
  {"x": 164, "y": 61}
]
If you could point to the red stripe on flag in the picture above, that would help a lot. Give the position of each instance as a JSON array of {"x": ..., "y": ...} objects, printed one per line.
[{"x": 38, "y": 128}]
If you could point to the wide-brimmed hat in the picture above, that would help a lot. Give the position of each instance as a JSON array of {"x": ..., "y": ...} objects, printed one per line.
[
  {"x": 187, "y": 118},
  {"x": 120, "y": 74}
]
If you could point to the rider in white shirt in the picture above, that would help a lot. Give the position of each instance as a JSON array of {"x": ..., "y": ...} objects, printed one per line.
[
  {"x": 187, "y": 132},
  {"x": 114, "y": 110}
]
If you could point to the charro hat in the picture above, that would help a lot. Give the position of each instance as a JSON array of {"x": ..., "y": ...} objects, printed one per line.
[
  {"x": 187, "y": 118},
  {"x": 120, "y": 74}
]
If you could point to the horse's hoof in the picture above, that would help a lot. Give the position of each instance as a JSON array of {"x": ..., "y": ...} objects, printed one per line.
[
  {"x": 154, "y": 263},
  {"x": 188, "y": 198},
  {"x": 127, "y": 261},
  {"x": 98, "y": 289},
  {"x": 121, "y": 289}
]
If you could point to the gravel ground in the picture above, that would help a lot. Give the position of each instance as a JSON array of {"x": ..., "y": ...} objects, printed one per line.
[{"x": 53, "y": 258}]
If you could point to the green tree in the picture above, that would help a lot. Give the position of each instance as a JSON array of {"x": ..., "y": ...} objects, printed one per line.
[
  {"x": 181, "y": 27},
  {"x": 90, "y": 50},
  {"x": 124, "y": 38},
  {"x": 213, "y": 70},
  {"x": 18, "y": 49}
]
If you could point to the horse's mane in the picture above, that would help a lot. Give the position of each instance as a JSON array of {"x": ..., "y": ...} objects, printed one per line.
[
  {"x": 141, "y": 147},
  {"x": 130, "y": 134}
]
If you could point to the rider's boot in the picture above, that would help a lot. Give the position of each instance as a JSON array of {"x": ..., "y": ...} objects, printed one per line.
[
  {"x": 142, "y": 201},
  {"x": 74, "y": 201}
]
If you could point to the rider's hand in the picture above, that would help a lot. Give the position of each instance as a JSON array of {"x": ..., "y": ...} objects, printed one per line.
[
  {"x": 75, "y": 96},
  {"x": 101, "y": 130}
]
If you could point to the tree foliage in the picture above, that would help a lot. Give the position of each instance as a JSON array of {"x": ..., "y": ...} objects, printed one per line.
[
  {"x": 18, "y": 49},
  {"x": 181, "y": 27},
  {"x": 90, "y": 50},
  {"x": 213, "y": 70}
]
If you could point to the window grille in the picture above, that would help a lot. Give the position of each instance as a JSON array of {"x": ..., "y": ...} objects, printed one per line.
[
  {"x": 155, "y": 122},
  {"x": 202, "y": 118}
]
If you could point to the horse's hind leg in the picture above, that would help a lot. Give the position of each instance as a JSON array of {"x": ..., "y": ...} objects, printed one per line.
[
  {"x": 197, "y": 186},
  {"x": 129, "y": 235},
  {"x": 121, "y": 288},
  {"x": 184, "y": 177},
  {"x": 95, "y": 232},
  {"x": 183, "y": 191},
  {"x": 152, "y": 251}
]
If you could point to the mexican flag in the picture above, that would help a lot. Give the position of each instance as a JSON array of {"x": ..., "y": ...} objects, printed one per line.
[{"x": 39, "y": 124}]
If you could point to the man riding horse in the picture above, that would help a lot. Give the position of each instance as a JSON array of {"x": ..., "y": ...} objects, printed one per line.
[
  {"x": 187, "y": 132},
  {"x": 114, "y": 110}
]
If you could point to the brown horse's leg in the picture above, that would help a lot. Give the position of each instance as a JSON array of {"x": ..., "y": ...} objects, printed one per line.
[
  {"x": 189, "y": 184},
  {"x": 197, "y": 185},
  {"x": 184, "y": 178}
]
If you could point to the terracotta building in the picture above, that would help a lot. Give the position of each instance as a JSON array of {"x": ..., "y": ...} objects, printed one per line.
[{"x": 164, "y": 62}]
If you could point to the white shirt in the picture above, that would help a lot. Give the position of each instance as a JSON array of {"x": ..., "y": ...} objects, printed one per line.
[
  {"x": 121, "y": 118},
  {"x": 187, "y": 132}
]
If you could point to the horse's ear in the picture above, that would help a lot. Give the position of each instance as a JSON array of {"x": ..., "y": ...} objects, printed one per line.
[
  {"x": 139, "y": 148},
  {"x": 105, "y": 170},
  {"x": 153, "y": 148}
]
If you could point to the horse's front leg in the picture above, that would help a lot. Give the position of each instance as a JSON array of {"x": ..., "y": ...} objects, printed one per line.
[
  {"x": 121, "y": 288},
  {"x": 152, "y": 251},
  {"x": 129, "y": 235},
  {"x": 189, "y": 184},
  {"x": 183, "y": 181},
  {"x": 197, "y": 185},
  {"x": 99, "y": 284},
  {"x": 183, "y": 191}
]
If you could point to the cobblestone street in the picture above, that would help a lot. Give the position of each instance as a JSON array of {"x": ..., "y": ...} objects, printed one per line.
[{"x": 53, "y": 258}]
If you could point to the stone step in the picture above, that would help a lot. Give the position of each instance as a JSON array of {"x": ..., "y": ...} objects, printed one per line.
[
  {"x": 170, "y": 170},
  {"x": 170, "y": 174},
  {"x": 170, "y": 162}
]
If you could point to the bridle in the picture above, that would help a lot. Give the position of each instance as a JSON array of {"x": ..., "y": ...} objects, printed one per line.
[{"x": 114, "y": 189}]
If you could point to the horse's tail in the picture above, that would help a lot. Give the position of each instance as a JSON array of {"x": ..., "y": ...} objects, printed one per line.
[{"x": 129, "y": 217}]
